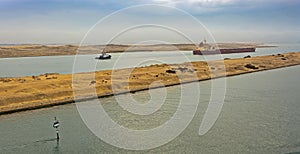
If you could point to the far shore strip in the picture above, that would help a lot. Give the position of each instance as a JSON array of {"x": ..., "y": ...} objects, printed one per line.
[
  {"x": 32, "y": 92},
  {"x": 56, "y": 50}
]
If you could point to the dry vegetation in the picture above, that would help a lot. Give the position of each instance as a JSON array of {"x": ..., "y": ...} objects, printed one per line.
[{"x": 52, "y": 89}]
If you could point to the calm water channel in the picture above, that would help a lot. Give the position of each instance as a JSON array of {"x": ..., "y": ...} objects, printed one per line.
[{"x": 260, "y": 115}]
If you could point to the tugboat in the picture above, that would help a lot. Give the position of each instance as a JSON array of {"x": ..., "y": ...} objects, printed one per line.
[{"x": 103, "y": 55}]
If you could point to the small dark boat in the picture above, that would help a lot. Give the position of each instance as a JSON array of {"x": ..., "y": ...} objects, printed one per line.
[{"x": 104, "y": 56}]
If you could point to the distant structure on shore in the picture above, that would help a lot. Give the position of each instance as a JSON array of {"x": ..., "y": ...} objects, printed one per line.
[{"x": 207, "y": 49}]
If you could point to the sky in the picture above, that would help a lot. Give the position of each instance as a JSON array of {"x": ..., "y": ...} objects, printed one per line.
[{"x": 142, "y": 21}]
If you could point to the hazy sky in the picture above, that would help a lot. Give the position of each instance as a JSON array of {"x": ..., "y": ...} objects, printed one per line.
[{"x": 68, "y": 21}]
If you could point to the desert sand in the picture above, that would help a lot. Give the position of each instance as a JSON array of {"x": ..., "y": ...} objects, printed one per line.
[
  {"x": 31, "y": 92},
  {"x": 55, "y": 50}
]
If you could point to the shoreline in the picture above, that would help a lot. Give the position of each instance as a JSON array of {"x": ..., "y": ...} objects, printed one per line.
[
  {"x": 28, "y": 93},
  {"x": 60, "y": 50}
]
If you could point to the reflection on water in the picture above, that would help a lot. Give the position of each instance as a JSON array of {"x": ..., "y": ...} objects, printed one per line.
[
  {"x": 138, "y": 122},
  {"x": 260, "y": 115}
]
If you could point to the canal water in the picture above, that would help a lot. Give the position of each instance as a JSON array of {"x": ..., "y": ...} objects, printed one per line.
[
  {"x": 28, "y": 66},
  {"x": 260, "y": 115}
]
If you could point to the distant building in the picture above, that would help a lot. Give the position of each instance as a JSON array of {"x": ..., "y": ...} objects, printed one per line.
[{"x": 201, "y": 44}]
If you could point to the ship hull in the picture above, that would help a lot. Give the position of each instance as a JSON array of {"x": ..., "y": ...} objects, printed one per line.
[{"x": 223, "y": 51}]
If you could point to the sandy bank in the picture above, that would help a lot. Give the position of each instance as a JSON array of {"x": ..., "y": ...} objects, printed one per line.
[
  {"x": 56, "y": 50},
  {"x": 53, "y": 89}
]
